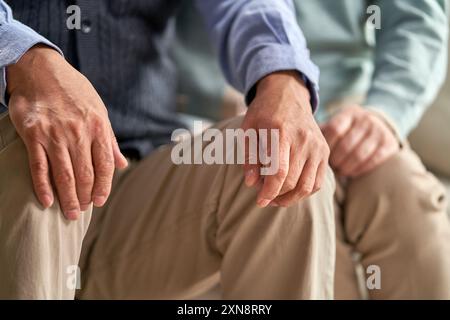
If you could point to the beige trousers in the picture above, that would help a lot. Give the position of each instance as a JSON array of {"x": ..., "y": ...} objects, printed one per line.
[
  {"x": 395, "y": 219},
  {"x": 167, "y": 231}
]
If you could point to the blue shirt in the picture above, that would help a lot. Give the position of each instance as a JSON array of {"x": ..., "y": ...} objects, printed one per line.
[{"x": 252, "y": 38}]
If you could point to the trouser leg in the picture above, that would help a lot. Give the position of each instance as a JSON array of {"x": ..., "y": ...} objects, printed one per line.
[
  {"x": 176, "y": 231},
  {"x": 346, "y": 279},
  {"x": 39, "y": 248},
  {"x": 395, "y": 218}
]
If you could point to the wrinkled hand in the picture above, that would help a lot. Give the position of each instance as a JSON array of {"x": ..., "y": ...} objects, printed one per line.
[
  {"x": 64, "y": 125},
  {"x": 282, "y": 102},
  {"x": 359, "y": 141}
]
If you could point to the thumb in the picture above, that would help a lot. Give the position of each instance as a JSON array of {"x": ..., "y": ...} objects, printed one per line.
[{"x": 119, "y": 159}]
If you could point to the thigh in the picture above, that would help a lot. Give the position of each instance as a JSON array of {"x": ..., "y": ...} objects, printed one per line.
[
  {"x": 38, "y": 247},
  {"x": 155, "y": 238},
  {"x": 395, "y": 218},
  {"x": 400, "y": 196},
  {"x": 173, "y": 231}
]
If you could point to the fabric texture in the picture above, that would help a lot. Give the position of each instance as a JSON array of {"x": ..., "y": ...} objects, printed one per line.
[
  {"x": 123, "y": 49},
  {"x": 398, "y": 69},
  {"x": 167, "y": 232},
  {"x": 408, "y": 241}
]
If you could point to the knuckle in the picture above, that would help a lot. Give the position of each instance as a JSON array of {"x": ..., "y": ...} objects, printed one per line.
[
  {"x": 282, "y": 173},
  {"x": 277, "y": 124},
  {"x": 290, "y": 185},
  {"x": 69, "y": 204},
  {"x": 97, "y": 125},
  {"x": 307, "y": 187},
  {"x": 305, "y": 190},
  {"x": 64, "y": 177},
  {"x": 41, "y": 186},
  {"x": 39, "y": 168},
  {"x": 86, "y": 175},
  {"x": 306, "y": 134},
  {"x": 102, "y": 189},
  {"x": 32, "y": 133},
  {"x": 76, "y": 130},
  {"x": 105, "y": 168}
]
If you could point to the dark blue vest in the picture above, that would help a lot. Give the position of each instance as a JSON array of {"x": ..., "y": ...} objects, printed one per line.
[{"x": 122, "y": 47}]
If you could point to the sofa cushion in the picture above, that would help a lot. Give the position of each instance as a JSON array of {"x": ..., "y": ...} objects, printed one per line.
[{"x": 431, "y": 139}]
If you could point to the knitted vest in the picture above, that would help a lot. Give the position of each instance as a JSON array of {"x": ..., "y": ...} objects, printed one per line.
[{"x": 122, "y": 48}]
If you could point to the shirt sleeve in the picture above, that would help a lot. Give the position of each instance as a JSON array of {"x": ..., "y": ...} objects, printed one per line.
[
  {"x": 257, "y": 37},
  {"x": 15, "y": 40},
  {"x": 410, "y": 60}
]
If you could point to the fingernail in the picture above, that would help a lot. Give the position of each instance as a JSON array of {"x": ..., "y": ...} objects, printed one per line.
[
  {"x": 72, "y": 214},
  {"x": 263, "y": 202},
  {"x": 250, "y": 177},
  {"x": 99, "y": 201},
  {"x": 274, "y": 204},
  {"x": 47, "y": 200},
  {"x": 84, "y": 207}
]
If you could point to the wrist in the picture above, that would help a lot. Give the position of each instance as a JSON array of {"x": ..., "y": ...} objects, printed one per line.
[
  {"x": 282, "y": 81},
  {"x": 34, "y": 58}
]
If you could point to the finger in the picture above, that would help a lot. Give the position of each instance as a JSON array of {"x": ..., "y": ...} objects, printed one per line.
[
  {"x": 64, "y": 180},
  {"x": 84, "y": 173},
  {"x": 120, "y": 161},
  {"x": 336, "y": 128},
  {"x": 304, "y": 186},
  {"x": 360, "y": 154},
  {"x": 348, "y": 143},
  {"x": 40, "y": 174},
  {"x": 103, "y": 160},
  {"x": 377, "y": 158},
  {"x": 273, "y": 183},
  {"x": 251, "y": 164},
  {"x": 320, "y": 176},
  {"x": 296, "y": 163}
]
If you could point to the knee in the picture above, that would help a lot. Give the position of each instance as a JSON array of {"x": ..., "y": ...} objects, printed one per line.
[
  {"x": 20, "y": 211},
  {"x": 401, "y": 182},
  {"x": 399, "y": 203}
]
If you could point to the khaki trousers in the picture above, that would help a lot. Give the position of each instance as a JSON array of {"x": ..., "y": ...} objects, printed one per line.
[
  {"x": 395, "y": 219},
  {"x": 167, "y": 231}
]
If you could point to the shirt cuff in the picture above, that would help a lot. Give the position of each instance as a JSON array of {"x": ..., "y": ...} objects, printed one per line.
[
  {"x": 278, "y": 57},
  {"x": 389, "y": 122},
  {"x": 15, "y": 40}
]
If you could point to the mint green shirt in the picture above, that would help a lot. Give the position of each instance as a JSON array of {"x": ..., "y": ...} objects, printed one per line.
[{"x": 398, "y": 69}]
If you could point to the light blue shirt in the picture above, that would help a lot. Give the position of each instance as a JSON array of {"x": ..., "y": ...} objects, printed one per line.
[{"x": 253, "y": 39}]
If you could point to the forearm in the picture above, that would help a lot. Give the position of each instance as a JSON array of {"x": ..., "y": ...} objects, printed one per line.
[{"x": 410, "y": 60}]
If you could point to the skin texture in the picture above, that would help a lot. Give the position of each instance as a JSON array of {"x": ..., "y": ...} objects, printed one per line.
[
  {"x": 359, "y": 141},
  {"x": 73, "y": 152},
  {"x": 64, "y": 124},
  {"x": 282, "y": 102}
]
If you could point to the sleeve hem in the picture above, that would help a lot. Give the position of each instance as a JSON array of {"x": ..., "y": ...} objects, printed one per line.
[
  {"x": 15, "y": 40},
  {"x": 275, "y": 58}
]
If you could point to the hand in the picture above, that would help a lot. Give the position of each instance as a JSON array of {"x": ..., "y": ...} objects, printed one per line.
[
  {"x": 359, "y": 141},
  {"x": 282, "y": 102},
  {"x": 64, "y": 125}
]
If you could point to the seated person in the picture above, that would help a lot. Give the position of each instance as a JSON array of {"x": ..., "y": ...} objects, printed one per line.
[
  {"x": 158, "y": 230},
  {"x": 375, "y": 84}
]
